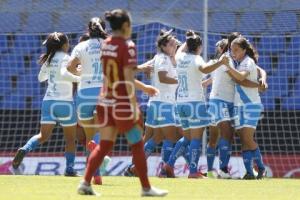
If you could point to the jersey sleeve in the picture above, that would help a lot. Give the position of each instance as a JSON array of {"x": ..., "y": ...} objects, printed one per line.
[
  {"x": 161, "y": 63},
  {"x": 198, "y": 61},
  {"x": 76, "y": 53},
  {"x": 129, "y": 55}
]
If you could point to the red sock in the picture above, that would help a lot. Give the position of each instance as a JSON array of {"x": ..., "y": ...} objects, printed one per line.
[
  {"x": 139, "y": 160},
  {"x": 96, "y": 158}
]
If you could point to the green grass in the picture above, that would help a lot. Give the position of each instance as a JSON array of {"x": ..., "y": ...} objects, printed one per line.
[{"x": 64, "y": 188}]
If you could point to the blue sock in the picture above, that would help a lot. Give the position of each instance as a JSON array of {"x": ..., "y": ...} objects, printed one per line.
[
  {"x": 186, "y": 154},
  {"x": 149, "y": 147},
  {"x": 70, "y": 159},
  {"x": 228, "y": 154},
  {"x": 31, "y": 144},
  {"x": 258, "y": 158},
  {"x": 178, "y": 150},
  {"x": 247, "y": 158},
  {"x": 210, "y": 156},
  {"x": 97, "y": 172},
  {"x": 167, "y": 149},
  {"x": 223, "y": 152},
  {"x": 97, "y": 138},
  {"x": 195, "y": 149}
]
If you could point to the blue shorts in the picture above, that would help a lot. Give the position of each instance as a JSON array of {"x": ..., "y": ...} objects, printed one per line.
[
  {"x": 160, "y": 114},
  {"x": 177, "y": 118},
  {"x": 62, "y": 112},
  {"x": 193, "y": 115},
  {"x": 247, "y": 115},
  {"x": 220, "y": 111},
  {"x": 86, "y": 101}
]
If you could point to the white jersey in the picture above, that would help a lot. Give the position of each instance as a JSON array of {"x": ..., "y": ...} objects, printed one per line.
[
  {"x": 244, "y": 95},
  {"x": 58, "y": 88},
  {"x": 167, "y": 92},
  {"x": 222, "y": 84},
  {"x": 88, "y": 52},
  {"x": 190, "y": 77}
]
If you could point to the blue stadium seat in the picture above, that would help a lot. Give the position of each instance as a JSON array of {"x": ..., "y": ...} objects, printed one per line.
[
  {"x": 222, "y": 22},
  {"x": 290, "y": 5},
  {"x": 49, "y": 6},
  {"x": 269, "y": 44},
  {"x": 265, "y": 5},
  {"x": 289, "y": 65},
  {"x": 14, "y": 102},
  {"x": 38, "y": 22},
  {"x": 193, "y": 20},
  {"x": 212, "y": 40},
  {"x": 278, "y": 86},
  {"x": 291, "y": 103},
  {"x": 267, "y": 101},
  {"x": 216, "y": 4},
  {"x": 79, "y": 5},
  {"x": 294, "y": 45},
  {"x": 10, "y": 22},
  {"x": 284, "y": 22},
  {"x": 142, "y": 5},
  {"x": 265, "y": 62},
  {"x": 71, "y": 22},
  {"x": 252, "y": 22},
  {"x": 17, "y": 5},
  {"x": 26, "y": 44},
  {"x": 5, "y": 84},
  {"x": 3, "y": 43},
  {"x": 12, "y": 63},
  {"x": 236, "y": 5}
]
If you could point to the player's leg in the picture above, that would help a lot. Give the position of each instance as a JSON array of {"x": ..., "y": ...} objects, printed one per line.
[
  {"x": 134, "y": 138},
  {"x": 48, "y": 122},
  {"x": 32, "y": 143},
  {"x": 224, "y": 146},
  {"x": 211, "y": 149},
  {"x": 109, "y": 135},
  {"x": 70, "y": 148}
]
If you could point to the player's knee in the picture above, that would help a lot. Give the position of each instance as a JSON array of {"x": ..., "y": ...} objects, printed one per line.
[{"x": 134, "y": 135}]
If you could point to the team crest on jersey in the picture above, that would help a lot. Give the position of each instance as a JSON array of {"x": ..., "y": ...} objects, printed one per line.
[{"x": 131, "y": 52}]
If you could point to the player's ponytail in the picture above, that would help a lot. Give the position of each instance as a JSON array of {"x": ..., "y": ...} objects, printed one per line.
[
  {"x": 116, "y": 18},
  {"x": 245, "y": 44},
  {"x": 96, "y": 28},
  {"x": 53, "y": 43},
  {"x": 193, "y": 41}
]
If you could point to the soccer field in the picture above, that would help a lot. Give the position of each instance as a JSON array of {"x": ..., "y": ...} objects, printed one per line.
[{"x": 59, "y": 187}]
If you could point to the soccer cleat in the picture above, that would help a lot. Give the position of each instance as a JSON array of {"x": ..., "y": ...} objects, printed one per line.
[
  {"x": 212, "y": 174},
  {"x": 18, "y": 158},
  {"x": 70, "y": 172},
  {"x": 86, "y": 189},
  {"x": 249, "y": 177},
  {"x": 224, "y": 175},
  {"x": 97, "y": 180},
  {"x": 130, "y": 171},
  {"x": 154, "y": 192},
  {"x": 197, "y": 175},
  {"x": 261, "y": 174},
  {"x": 169, "y": 171},
  {"x": 104, "y": 165}
]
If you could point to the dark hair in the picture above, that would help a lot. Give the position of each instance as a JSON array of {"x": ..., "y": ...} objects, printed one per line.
[
  {"x": 117, "y": 18},
  {"x": 53, "y": 43},
  {"x": 222, "y": 44},
  {"x": 84, "y": 37},
  {"x": 230, "y": 38},
  {"x": 163, "y": 38},
  {"x": 193, "y": 41},
  {"x": 245, "y": 44},
  {"x": 96, "y": 28}
]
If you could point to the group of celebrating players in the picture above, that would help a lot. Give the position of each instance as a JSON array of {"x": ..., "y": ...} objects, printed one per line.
[{"x": 104, "y": 67}]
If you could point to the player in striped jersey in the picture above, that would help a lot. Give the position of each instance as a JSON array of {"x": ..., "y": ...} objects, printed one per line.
[{"x": 57, "y": 105}]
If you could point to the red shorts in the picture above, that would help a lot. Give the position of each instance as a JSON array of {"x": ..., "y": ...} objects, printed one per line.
[{"x": 119, "y": 115}]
